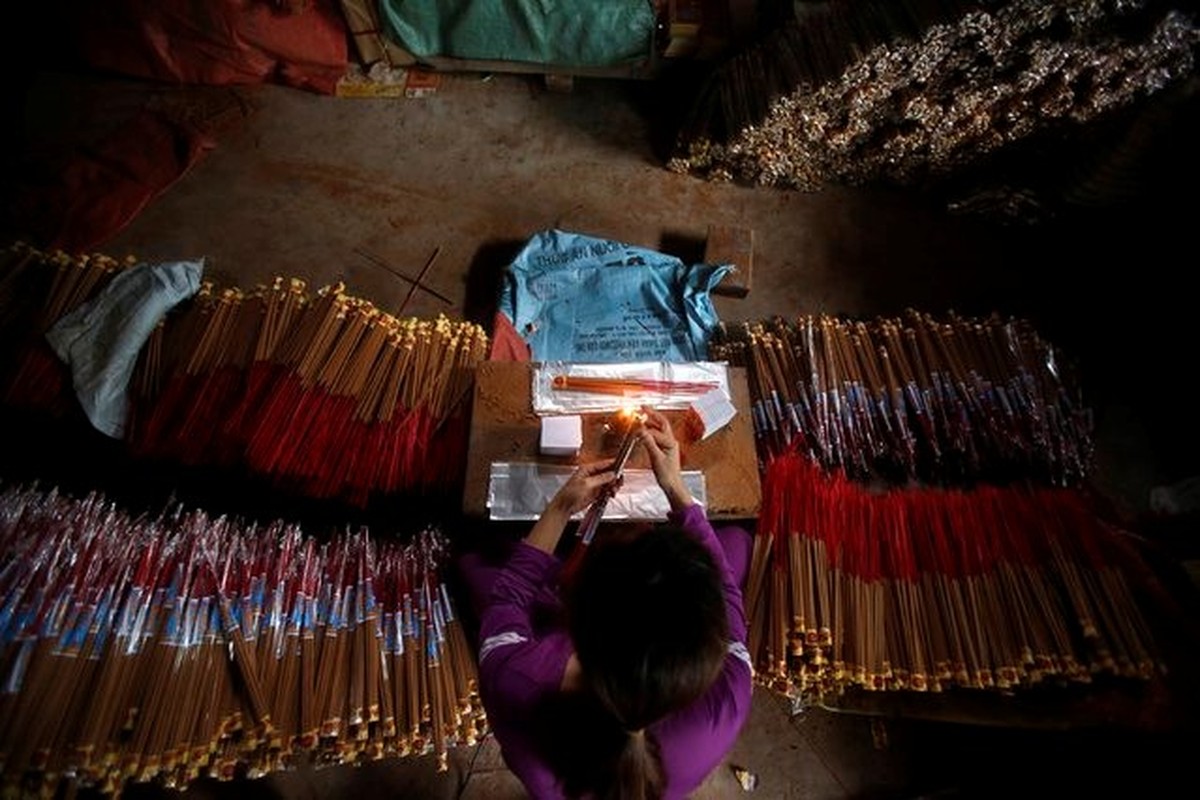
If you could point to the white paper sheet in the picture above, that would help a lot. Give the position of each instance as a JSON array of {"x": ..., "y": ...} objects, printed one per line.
[{"x": 521, "y": 491}]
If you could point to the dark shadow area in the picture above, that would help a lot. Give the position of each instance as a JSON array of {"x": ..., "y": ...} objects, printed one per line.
[
  {"x": 67, "y": 453},
  {"x": 53, "y": 120},
  {"x": 203, "y": 789},
  {"x": 634, "y": 115},
  {"x": 902, "y": 250},
  {"x": 411, "y": 776},
  {"x": 669, "y": 100},
  {"x": 484, "y": 278},
  {"x": 84, "y": 153},
  {"x": 963, "y": 761},
  {"x": 687, "y": 248},
  {"x": 1105, "y": 273}
]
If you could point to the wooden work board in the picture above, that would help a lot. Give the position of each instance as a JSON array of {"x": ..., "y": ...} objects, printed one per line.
[{"x": 505, "y": 428}]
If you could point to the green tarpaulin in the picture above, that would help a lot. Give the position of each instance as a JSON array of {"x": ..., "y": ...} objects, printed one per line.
[{"x": 553, "y": 32}]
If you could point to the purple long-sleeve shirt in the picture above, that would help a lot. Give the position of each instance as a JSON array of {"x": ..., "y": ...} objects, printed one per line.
[{"x": 520, "y": 665}]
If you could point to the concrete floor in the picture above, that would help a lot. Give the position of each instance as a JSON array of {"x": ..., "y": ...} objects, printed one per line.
[{"x": 303, "y": 185}]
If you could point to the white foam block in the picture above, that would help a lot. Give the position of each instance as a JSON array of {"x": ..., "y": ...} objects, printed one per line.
[
  {"x": 561, "y": 435},
  {"x": 714, "y": 411}
]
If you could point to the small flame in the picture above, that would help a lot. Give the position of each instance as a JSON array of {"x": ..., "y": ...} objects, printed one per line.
[{"x": 629, "y": 417}]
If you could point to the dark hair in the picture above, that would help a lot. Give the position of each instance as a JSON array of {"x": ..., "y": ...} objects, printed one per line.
[{"x": 646, "y": 613}]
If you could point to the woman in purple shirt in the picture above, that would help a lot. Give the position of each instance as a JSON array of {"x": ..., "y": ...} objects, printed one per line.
[{"x": 633, "y": 679}]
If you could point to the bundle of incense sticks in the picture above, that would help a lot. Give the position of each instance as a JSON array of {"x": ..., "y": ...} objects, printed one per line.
[
  {"x": 633, "y": 422},
  {"x": 324, "y": 393},
  {"x": 936, "y": 400},
  {"x": 135, "y": 649},
  {"x": 37, "y": 288},
  {"x": 924, "y": 590},
  {"x": 858, "y": 91},
  {"x": 629, "y": 386}
]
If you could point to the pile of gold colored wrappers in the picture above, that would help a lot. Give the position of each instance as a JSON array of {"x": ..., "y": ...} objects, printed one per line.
[{"x": 904, "y": 90}]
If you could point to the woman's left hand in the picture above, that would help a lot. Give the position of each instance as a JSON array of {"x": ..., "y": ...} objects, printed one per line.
[{"x": 584, "y": 486}]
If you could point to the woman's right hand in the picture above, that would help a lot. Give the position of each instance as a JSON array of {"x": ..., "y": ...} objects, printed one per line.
[{"x": 663, "y": 449}]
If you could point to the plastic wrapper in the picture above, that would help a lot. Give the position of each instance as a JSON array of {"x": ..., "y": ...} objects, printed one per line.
[
  {"x": 521, "y": 491},
  {"x": 689, "y": 375},
  {"x": 572, "y": 297}
]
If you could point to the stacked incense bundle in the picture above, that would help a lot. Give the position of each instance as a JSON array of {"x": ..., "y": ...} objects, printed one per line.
[
  {"x": 134, "y": 650},
  {"x": 913, "y": 398},
  {"x": 914, "y": 587},
  {"x": 628, "y": 386},
  {"x": 925, "y": 590},
  {"x": 36, "y": 289},
  {"x": 869, "y": 90},
  {"x": 325, "y": 394}
]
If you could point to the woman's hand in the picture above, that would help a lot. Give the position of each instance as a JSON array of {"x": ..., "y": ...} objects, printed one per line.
[
  {"x": 584, "y": 486},
  {"x": 663, "y": 449},
  {"x": 580, "y": 490}
]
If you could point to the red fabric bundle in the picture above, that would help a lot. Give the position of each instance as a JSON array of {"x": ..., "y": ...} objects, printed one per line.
[{"x": 217, "y": 42}]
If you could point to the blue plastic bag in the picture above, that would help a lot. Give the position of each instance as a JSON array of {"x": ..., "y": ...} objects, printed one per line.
[{"x": 573, "y": 297}]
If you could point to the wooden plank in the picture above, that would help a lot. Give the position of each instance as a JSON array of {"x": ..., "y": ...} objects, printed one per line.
[
  {"x": 504, "y": 428},
  {"x": 646, "y": 69},
  {"x": 560, "y": 83}
]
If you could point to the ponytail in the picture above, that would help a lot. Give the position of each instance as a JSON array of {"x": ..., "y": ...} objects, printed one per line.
[
  {"x": 648, "y": 620},
  {"x": 601, "y": 758},
  {"x": 638, "y": 774}
]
